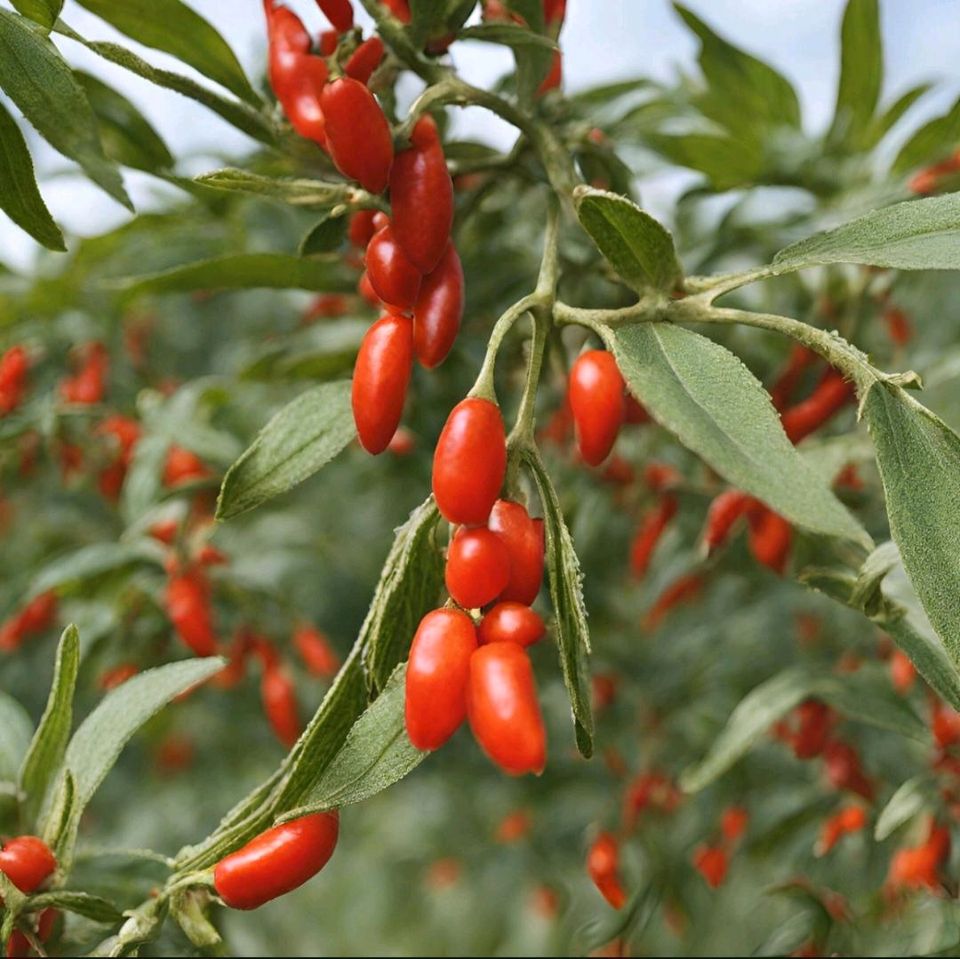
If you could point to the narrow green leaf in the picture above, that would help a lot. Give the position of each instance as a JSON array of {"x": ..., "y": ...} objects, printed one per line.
[
  {"x": 861, "y": 73},
  {"x": 566, "y": 594},
  {"x": 19, "y": 196},
  {"x": 409, "y": 588},
  {"x": 887, "y": 120},
  {"x": 93, "y": 560},
  {"x": 304, "y": 436},
  {"x": 376, "y": 754},
  {"x": 299, "y": 192},
  {"x": 919, "y": 459},
  {"x": 914, "y": 235},
  {"x": 716, "y": 407},
  {"x": 42, "y": 85},
  {"x": 934, "y": 140},
  {"x": 95, "y": 908},
  {"x": 16, "y": 730},
  {"x": 867, "y": 696},
  {"x": 235, "y": 271},
  {"x": 49, "y": 743},
  {"x": 44, "y": 12},
  {"x": 927, "y": 653},
  {"x": 325, "y": 236},
  {"x": 126, "y": 135},
  {"x": 507, "y": 34},
  {"x": 724, "y": 160},
  {"x": 639, "y": 248},
  {"x": 171, "y": 26},
  {"x": 747, "y": 725},
  {"x": 911, "y": 797}
]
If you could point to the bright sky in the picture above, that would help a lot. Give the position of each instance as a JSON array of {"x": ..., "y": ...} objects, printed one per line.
[{"x": 625, "y": 38}]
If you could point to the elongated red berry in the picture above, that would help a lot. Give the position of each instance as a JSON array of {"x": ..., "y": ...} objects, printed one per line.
[
  {"x": 364, "y": 60},
  {"x": 511, "y": 623},
  {"x": 469, "y": 462},
  {"x": 437, "y": 674},
  {"x": 279, "y": 697},
  {"x": 393, "y": 277},
  {"x": 338, "y": 12},
  {"x": 380, "y": 378},
  {"x": 439, "y": 309},
  {"x": 478, "y": 567},
  {"x": 524, "y": 539},
  {"x": 277, "y": 861},
  {"x": 358, "y": 134},
  {"x": 596, "y": 393}
]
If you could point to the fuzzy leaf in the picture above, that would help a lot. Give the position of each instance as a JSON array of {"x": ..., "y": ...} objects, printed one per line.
[
  {"x": 16, "y": 730},
  {"x": 298, "y": 192},
  {"x": 861, "y": 73}
]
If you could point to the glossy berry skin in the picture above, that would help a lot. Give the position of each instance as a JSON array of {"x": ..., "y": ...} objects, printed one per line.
[
  {"x": 364, "y": 60},
  {"x": 726, "y": 508},
  {"x": 301, "y": 99},
  {"x": 478, "y": 567},
  {"x": 524, "y": 538},
  {"x": 503, "y": 709},
  {"x": 338, "y": 12},
  {"x": 380, "y": 378},
  {"x": 511, "y": 623},
  {"x": 277, "y": 861},
  {"x": 597, "y": 403},
  {"x": 603, "y": 863},
  {"x": 279, "y": 697},
  {"x": 437, "y": 674},
  {"x": 27, "y": 862},
  {"x": 769, "y": 539},
  {"x": 358, "y": 135},
  {"x": 469, "y": 462},
  {"x": 421, "y": 197},
  {"x": 439, "y": 310},
  {"x": 393, "y": 277},
  {"x": 361, "y": 229},
  {"x": 830, "y": 396}
]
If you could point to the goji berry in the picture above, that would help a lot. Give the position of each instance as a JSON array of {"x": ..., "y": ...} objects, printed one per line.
[
  {"x": 27, "y": 861},
  {"x": 524, "y": 539},
  {"x": 478, "y": 567},
  {"x": 393, "y": 277},
  {"x": 596, "y": 394},
  {"x": 358, "y": 135},
  {"x": 439, "y": 309}
]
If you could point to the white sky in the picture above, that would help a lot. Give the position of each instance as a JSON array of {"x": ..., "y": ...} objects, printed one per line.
[{"x": 603, "y": 40}]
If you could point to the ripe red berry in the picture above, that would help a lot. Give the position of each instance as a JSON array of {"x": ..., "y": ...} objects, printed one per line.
[
  {"x": 770, "y": 537},
  {"x": 338, "y": 12},
  {"x": 503, "y": 708},
  {"x": 478, "y": 567},
  {"x": 511, "y": 623},
  {"x": 524, "y": 538},
  {"x": 361, "y": 229},
  {"x": 188, "y": 606},
  {"x": 393, "y": 277},
  {"x": 437, "y": 673},
  {"x": 183, "y": 466},
  {"x": 711, "y": 862},
  {"x": 439, "y": 309},
  {"x": 279, "y": 697},
  {"x": 421, "y": 197},
  {"x": 277, "y": 861},
  {"x": 27, "y": 861},
  {"x": 364, "y": 60},
  {"x": 469, "y": 462},
  {"x": 380, "y": 378},
  {"x": 596, "y": 393},
  {"x": 603, "y": 864},
  {"x": 315, "y": 650},
  {"x": 358, "y": 134}
]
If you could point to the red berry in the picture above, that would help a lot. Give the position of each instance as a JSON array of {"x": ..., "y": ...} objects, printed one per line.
[
  {"x": 439, "y": 310},
  {"x": 361, "y": 229},
  {"x": 188, "y": 606},
  {"x": 511, "y": 623},
  {"x": 503, "y": 708},
  {"x": 380, "y": 378},
  {"x": 315, "y": 650},
  {"x": 478, "y": 567},
  {"x": 338, "y": 12},
  {"x": 358, "y": 134},
  {"x": 597, "y": 402},
  {"x": 277, "y": 861},
  {"x": 27, "y": 862},
  {"x": 279, "y": 697},
  {"x": 437, "y": 673},
  {"x": 364, "y": 60},
  {"x": 393, "y": 277},
  {"x": 469, "y": 462},
  {"x": 524, "y": 539}
]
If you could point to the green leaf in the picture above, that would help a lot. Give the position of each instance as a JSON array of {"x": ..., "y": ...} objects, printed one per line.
[
  {"x": 725, "y": 161},
  {"x": 716, "y": 407},
  {"x": 747, "y": 725},
  {"x": 238, "y": 114},
  {"x": 304, "y": 436},
  {"x": 83, "y": 904},
  {"x": 49, "y": 744},
  {"x": 507, "y": 34},
  {"x": 934, "y": 140},
  {"x": 911, "y": 797},
  {"x": 299, "y": 192},
  {"x": 914, "y": 235},
  {"x": 884, "y": 123},
  {"x": 235, "y": 271},
  {"x": 100, "y": 738},
  {"x": 409, "y": 588},
  {"x": 16, "y": 729},
  {"x": 929, "y": 656},
  {"x": 126, "y": 135},
  {"x": 171, "y": 26},
  {"x": 42, "y": 85},
  {"x": 376, "y": 754},
  {"x": 919, "y": 459},
  {"x": 745, "y": 95},
  {"x": 566, "y": 594},
  {"x": 19, "y": 196},
  {"x": 639, "y": 248},
  {"x": 44, "y": 12},
  {"x": 867, "y": 696},
  {"x": 91, "y": 561},
  {"x": 325, "y": 236},
  {"x": 861, "y": 74}
]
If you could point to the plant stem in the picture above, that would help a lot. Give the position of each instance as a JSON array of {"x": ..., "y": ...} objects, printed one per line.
[{"x": 483, "y": 387}]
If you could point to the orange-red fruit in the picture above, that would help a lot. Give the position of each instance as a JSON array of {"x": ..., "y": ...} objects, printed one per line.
[
  {"x": 469, "y": 462},
  {"x": 524, "y": 538},
  {"x": 437, "y": 674},
  {"x": 188, "y": 605},
  {"x": 338, "y": 12},
  {"x": 358, "y": 134},
  {"x": 711, "y": 862},
  {"x": 511, "y": 623},
  {"x": 393, "y": 277},
  {"x": 597, "y": 402},
  {"x": 361, "y": 229},
  {"x": 439, "y": 309},
  {"x": 364, "y": 60},
  {"x": 503, "y": 708},
  {"x": 277, "y": 861},
  {"x": 399, "y": 8},
  {"x": 182, "y": 466},
  {"x": 478, "y": 567},
  {"x": 279, "y": 697},
  {"x": 769, "y": 538},
  {"x": 27, "y": 861},
  {"x": 421, "y": 197},
  {"x": 315, "y": 650},
  {"x": 380, "y": 378},
  {"x": 603, "y": 863}
]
